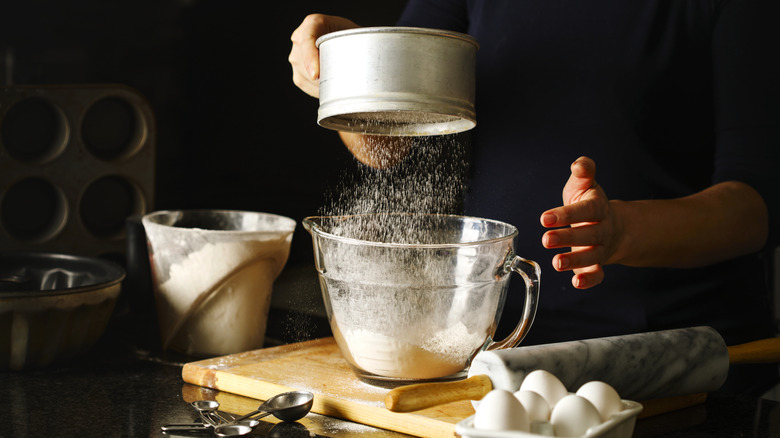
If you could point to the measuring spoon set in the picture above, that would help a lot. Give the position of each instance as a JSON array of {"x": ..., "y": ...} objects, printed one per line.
[{"x": 287, "y": 406}]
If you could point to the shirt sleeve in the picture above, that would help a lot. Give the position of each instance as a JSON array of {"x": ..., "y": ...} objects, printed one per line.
[
  {"x": 436, "y": 14},
  {"x": 746, "y": 86}
]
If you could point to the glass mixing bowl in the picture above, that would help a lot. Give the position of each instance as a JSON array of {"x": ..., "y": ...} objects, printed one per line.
[{"x": 414, "y": 297}]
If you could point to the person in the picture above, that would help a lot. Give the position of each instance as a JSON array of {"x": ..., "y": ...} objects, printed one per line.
[{"x": 679, "y": 105}]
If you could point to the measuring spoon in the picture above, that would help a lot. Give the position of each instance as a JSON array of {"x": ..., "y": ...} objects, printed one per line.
[
  {"x": 239, "y": 428},
  {"x": 185, "y": 427},
  {"x": 207, "y": 407},
  {"x": 287, "y": 406}
]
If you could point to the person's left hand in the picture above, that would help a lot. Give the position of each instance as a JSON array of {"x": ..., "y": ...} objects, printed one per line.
[{"x": 594, "y": 231}]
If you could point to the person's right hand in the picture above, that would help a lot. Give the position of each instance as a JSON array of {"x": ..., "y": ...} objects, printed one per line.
[{"x": 304, "y": 56}]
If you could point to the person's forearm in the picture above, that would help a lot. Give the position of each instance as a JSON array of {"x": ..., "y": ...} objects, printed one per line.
[
  {"x": 377, "y": 151},
  {"x": 724, "y": 221}
]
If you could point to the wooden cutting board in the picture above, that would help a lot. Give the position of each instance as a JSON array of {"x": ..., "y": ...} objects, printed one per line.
[{"x": 317, "y": 366}]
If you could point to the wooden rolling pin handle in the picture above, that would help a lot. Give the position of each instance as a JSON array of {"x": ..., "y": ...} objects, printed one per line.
[
  {"x": 651, "y": 408},
  {"x": 761, "y": 351},
  {"x": 425, "y": 395}
]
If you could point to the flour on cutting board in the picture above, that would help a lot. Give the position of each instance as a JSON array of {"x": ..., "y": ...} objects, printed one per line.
[
  {"x": 346, "y": 389},
  {"x": 339, "y": 427}
]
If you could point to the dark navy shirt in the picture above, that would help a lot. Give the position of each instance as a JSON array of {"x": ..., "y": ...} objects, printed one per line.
[{"x": 668, "y": 98}]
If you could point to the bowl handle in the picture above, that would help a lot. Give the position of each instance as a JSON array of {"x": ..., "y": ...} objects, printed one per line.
[{"x": 531, "y": 273}]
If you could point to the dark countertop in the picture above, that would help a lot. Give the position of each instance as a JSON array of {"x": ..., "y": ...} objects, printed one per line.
[
  {"x": 126, "y": 387},
  {"x": 119, "y": 389}
]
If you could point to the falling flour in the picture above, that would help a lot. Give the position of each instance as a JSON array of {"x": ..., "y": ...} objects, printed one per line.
[
  {"x": 428, "y": 177},
  {"x": 394, "y": 319}
]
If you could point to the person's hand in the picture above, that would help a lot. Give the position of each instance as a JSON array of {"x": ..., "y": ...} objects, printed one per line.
[
  {"x": 304, "y": 56},
  {"x": 594, "y": 230}
]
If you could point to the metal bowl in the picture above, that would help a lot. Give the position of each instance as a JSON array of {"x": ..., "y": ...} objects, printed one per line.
[{"x": 53, "y": 307}]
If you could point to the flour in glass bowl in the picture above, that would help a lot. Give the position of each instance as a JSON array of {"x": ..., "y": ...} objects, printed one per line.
[{"x": 446, "y": 353}]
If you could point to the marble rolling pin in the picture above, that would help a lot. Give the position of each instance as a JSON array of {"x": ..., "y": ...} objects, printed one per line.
[{"x": 640, "y": 367}]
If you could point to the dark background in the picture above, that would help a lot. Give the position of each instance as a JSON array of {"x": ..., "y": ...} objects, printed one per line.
[{"x": 232, "y": 130}]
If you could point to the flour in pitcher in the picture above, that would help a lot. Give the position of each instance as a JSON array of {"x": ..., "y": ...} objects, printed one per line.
[{"x": 216, "y": 300}]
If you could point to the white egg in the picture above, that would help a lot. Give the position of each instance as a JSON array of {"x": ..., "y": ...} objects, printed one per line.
[
  {"x": 573, "y": 416},
  {"x": 603, "y": 397},
  {"x": 500, "y": 410},
  {"x": 545, "y": 384},
  {"x": 535, "y": 405}
]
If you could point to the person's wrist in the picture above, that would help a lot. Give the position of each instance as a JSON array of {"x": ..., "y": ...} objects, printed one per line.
[{"x": 621, "y": 241}]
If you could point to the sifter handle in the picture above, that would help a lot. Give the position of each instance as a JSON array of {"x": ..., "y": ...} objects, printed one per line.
[
  {"x": 761, "y": 351},
  {"x": 411, "y": 398}
]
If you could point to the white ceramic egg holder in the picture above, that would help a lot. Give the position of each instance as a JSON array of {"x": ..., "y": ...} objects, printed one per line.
[{"x": 620, "y": 425}]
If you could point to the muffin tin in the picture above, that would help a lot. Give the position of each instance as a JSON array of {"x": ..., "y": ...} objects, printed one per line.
[{"x": 75, "y": 162}]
